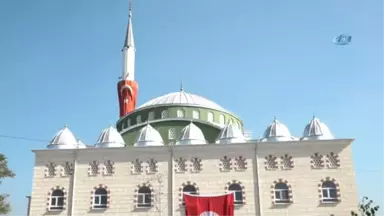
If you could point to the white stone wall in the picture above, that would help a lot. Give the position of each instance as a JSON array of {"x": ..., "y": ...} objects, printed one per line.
[
  {"x": 304, "y": 180},
  {"x": 210, "y": 179},
  {"x": 43, "y": 185}
]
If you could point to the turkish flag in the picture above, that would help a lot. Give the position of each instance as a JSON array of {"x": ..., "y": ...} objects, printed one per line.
[{"x": 221, "y": 205}]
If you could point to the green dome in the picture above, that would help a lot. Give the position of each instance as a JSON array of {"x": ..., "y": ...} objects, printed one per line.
[{"x": 170, "y": 113}]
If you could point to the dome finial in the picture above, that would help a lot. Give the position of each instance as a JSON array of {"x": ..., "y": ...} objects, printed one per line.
[
  {"x": 277, "y": 132},
  {"x": 181, "y": 85},
  {"x": 274, "y": 118},
  {"x": 65, "y": 126},
  {"x": 313, "y": 115}
]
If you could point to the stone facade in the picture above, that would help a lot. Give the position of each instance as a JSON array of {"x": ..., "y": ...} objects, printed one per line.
[{"x": 211, "y": 169}]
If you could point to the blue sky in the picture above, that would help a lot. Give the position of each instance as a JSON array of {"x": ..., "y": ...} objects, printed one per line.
[{"x": 60, "y": 62}]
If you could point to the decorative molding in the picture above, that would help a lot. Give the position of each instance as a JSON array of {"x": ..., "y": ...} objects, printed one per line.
[
  {"x": 94, "y": 168},
  {"x": 320, "y": 188},
  {"x": 108, "y": 168},
  {"x": 137, "y": 167},
  {"x": 66, "y": 169},
  {"x": 271, "y": 163},
  {"x": 286, "y": 162},
  {"x": 290, "y": 196},
  {"x": 317, "y": 161},
  {"x": 136, "y": 191},
  {"x": 196, "y": 165},
  {"x": 242, "y": 188},
  {"x": 332, "y": 160},
  {"x": 152, "y": 166},
  {"x": 225, "y": 164},
  {"x": 108, "y": 195},
  {"x": 64, "y": 199},
  {"x": 180, "y": 165},
  {"x": 50, "y": 170},
  {"x": 240, "y": 163}
]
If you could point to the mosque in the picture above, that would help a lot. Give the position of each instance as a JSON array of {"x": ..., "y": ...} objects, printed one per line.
[{"x": 182, "y": 143}]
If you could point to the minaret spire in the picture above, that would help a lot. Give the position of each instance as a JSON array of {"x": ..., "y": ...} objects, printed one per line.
[
  {"x": 129, "y": 42},
  {"x": 127, "y": 86},
  {"x": 129, "y": 50}
]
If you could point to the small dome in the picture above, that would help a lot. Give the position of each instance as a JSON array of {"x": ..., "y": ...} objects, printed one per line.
[
  {"x": 230, "y": 134},
  {"x": 277, "y": 132},
  {"x": 183, "y": 98},
  {"x": 191, "y": 135},
  {"x": 316, "y": 130},
  {"x": 80, "y": 144},
  {"x": 110, "y": 138},
  {"x": 64, "y": 139},
  {"x": 148, "y": 136}
]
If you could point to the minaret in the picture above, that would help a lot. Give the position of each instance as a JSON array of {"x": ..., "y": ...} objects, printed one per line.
[{"x": 127, "y": 86}]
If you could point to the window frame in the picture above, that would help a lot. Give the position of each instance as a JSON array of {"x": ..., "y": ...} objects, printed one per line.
[
  {"x": 174, "y": 133},
  {"x": 145, "y": 196},
  {"x": 238, "y": 192},
  {"x": 195, "y": 114},
  {"x": 328, "y": 190},
  {"x": 99, "y": 197},
  {"x": 151, "y": 115},
  {"x": 56, "y": 199},
  {"x": 209, "y": 115},
  {"x": 280, "y": 191},
  {"x": 138, "y": 119},
  {"x": 180, "y": 111},
  {"x": 164, "y": 114}
]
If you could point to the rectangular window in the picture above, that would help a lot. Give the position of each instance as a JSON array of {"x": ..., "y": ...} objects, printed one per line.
[
  {"x": 151, "y": 115},
  {"x": 210, "y": 117},
  {"x": 281, "y": 196},
  {"x": 172, "y": 134},
  {"x": 238, "y": 197},
  {"x": 57, "y": 203},
  {"x": 100, "y": 201},
  {"x": 144, "y": 200},
  {"x": 329, "y": 195}
]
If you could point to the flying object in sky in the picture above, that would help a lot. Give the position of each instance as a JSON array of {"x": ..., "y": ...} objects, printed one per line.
[{"x": 342, "y": 39}]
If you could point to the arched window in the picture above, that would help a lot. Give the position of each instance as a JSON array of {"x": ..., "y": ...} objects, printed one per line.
[
  {"x": 281, "y": 193},
  {"x": 57, "y": 200},
  {"x": 210, "y": 116},
  {"x": 172, "y": 133},
  {"x": 151, "y": 115},
  {"x": 237, "y": 193},
  {"x": 329, "y": 191},
  {"x": 100, "y": 198},
  {"x": 221, "y": 120},
  {"x": 144, "y": 197},
  {"x": 138, "y": 119},
  {"x": 195, "y": 114},
  {"x": 189, "y": 189},
  {"x": 180, "y": 113},
  {"x": 164, "y": 114}
]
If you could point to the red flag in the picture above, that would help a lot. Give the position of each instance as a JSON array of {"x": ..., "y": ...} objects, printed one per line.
[{"x": 221, "y": 205}]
